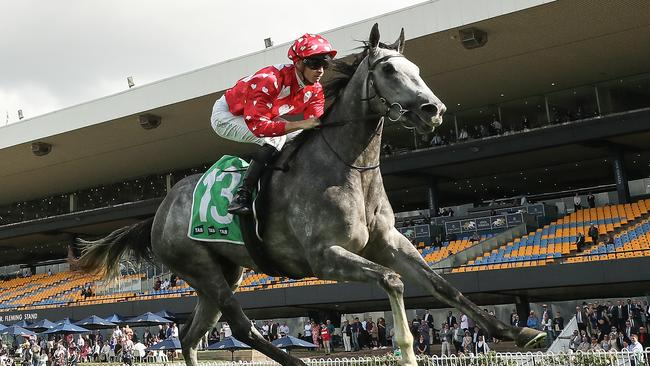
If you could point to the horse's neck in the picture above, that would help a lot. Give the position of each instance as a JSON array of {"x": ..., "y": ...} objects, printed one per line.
[{"x": 358, "y": 141}]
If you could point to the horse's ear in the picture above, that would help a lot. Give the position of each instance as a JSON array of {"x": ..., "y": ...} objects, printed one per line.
[
  {"x": 373, "y": 41},
  {"x": 399, "y": 44}
]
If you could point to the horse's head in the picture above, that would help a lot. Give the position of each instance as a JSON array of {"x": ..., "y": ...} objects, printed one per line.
[{"x": 394, "y": 86}]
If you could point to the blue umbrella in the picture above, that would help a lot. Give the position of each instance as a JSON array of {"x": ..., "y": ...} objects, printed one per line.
[
  {"x": 66, "y": 328},
  {"x": 95, "y": 322},
  {"x": 147, "y": 319},
  {"x": 116, "y": 319},
  {"x": 229, "y": 344},
  {"x": 290, "y": 342},
  {"x": 169, "y": 343},
  {"x": 42, "y": 325},
  {"x": 16, "y": 330},
  {"x": 65, "y": 320},
  {"x": 165, "y": 314},
  {"x": 23, "y": 323}
]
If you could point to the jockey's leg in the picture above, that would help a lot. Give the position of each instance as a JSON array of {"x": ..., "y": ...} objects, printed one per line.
[
  {"x": 234, "y": 128},
  {"x": 241, "y": 203}
]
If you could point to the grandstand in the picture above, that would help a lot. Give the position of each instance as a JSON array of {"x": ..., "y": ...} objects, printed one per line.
[
  {"x": 558, "y": 239},
  {"x": 574, "y": 120}
]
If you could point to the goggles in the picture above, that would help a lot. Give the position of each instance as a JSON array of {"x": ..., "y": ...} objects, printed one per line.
[{"x": 316, "y": 63}]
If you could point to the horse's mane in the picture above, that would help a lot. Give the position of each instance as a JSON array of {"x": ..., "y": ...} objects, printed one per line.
[{"x": 344, "y": 69}]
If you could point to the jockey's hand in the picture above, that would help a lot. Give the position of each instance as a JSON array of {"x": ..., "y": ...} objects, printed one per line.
[
  {"x": 310, "y": 123},
  {"x": 305, "y": 124}
]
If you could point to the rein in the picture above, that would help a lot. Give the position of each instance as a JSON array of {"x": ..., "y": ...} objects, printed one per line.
[{"x": 390, "y": 107}]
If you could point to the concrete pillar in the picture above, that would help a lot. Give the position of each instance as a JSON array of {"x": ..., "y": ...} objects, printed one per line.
[
  {"x": 73, "y": 202},
  {"x": 523, "y": 309},
  {"x": 433, "y": 197}
]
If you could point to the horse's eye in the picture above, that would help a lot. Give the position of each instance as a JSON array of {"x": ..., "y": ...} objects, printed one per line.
[{"x": 388, "y": 68}]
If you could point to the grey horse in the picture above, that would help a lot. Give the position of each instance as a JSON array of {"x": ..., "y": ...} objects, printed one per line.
[{"x": 330, "y": 216}]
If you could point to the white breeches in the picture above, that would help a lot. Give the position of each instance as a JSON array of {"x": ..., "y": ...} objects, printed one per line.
[{"x": 234, "y": 128}]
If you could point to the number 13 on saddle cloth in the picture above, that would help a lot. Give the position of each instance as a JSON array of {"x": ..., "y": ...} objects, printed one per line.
[{"x": 210, "y": 220}]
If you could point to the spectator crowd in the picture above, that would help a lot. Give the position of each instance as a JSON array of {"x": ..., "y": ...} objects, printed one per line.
[{"x": 122, "y": 344}]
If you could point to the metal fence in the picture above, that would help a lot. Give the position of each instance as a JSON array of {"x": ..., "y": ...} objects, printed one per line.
[{"x": 622, "y": 358}]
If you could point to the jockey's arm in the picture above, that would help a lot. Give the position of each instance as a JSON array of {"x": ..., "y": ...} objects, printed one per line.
[{"x": 304, "y": 124}]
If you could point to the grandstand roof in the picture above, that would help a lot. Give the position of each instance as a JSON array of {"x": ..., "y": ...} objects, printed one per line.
[{"x": 563, "y": 42}]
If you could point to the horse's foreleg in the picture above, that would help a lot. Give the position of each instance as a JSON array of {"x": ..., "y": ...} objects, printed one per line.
[
  {"x": 203, "y": 318},
  {"x": 400, "y": 255},
  {"x": 336, "y": 263}
]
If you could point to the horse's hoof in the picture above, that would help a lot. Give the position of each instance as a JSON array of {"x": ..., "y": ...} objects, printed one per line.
[{"x": 530, "y": 338}]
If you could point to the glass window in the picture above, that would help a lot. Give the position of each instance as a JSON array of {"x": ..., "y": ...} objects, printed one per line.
[
  {"x": 476, "y": 123},
  {"x": 572, "y": 104},
  {"x": 624, "y": 94},
  {"x": 524, "y": 114}
]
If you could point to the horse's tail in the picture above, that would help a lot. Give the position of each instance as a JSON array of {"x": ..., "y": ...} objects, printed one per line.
[{"x": 103, "y": 256}]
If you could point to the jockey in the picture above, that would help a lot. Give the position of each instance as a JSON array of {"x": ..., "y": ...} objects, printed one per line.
[{"x": 251, "y": 110}]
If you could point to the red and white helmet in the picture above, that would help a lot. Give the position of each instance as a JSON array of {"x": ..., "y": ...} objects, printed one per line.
[{"x": 309, "y": 45}]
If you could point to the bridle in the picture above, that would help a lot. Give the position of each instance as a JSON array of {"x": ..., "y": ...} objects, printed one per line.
[
  {"x": 390, "y": 107},
  {"x": 387, "y": 113}
]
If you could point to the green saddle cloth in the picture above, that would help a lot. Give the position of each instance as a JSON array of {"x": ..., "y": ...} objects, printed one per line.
[{"x": 210, "y": 219}]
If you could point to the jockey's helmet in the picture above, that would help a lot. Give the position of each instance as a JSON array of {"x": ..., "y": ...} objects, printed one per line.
[{"x": 310, "y": 45}]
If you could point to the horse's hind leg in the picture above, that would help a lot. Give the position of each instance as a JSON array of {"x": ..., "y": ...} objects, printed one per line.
[
  {"x": 336, "y": 263},
  {"x": 400, "y": 255},
  {"x": 211, "y": 282},
  {"x": 204, "y": 317}
]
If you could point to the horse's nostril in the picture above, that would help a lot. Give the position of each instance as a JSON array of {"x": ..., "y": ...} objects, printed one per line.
[{"x": 429, "y": 108}]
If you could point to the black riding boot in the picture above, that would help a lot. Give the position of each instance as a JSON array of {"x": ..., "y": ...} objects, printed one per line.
[{"x": 241, "y": 203}]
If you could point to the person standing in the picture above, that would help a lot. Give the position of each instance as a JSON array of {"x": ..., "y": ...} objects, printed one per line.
[
  {"x": 331, "y": 328},
  {"x": 547, "y": 326},
  {"x": 532, "y": 321},
  {"x": 637, "y": 351},
  {"x": 423, "y": 330},
  {"x": 429, "y": 319},
  {"x": 315, "y": 334},
  {"x": 581, "y": 318},
  {"x": 325, "y": 336},
  {"x": 381, "y": 332},
  {"x": 591, "y": 200},
  {"x": 558, "y": 323},
  {"x": 577, "y": 202},
  {"x": 273, "y": 330},
  {"x": 445, "y": 340},
  {"x": 459, "y": 334},
  {"x": 593, "y": 233},
  {"x": 265, "y": 330},
  {"x": 284, "y": 329},
  {"x": 464, "y": 322},
  {"x": 307, "y": 332},
  {"x": 374, "y": 334},
  {"x": 451, "y": 320},
  {"x": 346, "y": 334},
  {"x": 356, "y": 329},
  {"x": 481, "y": 347}
]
